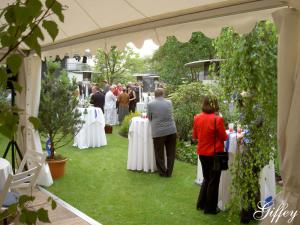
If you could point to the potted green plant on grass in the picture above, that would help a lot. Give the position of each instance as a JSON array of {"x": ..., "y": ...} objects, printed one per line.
[{"x": 59, "y": 119}]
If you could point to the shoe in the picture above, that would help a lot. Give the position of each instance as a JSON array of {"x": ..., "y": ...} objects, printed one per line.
[
  {"x": 200, "y": 208},
  {"x": 213, "y": 212},
  {"x": 163, "y": 175}
]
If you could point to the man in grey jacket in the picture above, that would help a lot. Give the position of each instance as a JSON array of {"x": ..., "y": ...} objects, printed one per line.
[{"x": 163, "y": 132}]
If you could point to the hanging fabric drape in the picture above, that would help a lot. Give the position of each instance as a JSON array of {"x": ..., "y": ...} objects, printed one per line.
[
  {"x": 288, "y": 25},
  {"x": 28, "y": 100}
]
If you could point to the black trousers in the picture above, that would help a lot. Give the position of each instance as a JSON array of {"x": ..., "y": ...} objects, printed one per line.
[
  {"x": 208, "y": 196},
  {"x": 160, "y": 143}
]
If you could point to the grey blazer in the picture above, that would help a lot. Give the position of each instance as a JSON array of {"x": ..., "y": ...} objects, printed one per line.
[{"x": 160, "y": 115}]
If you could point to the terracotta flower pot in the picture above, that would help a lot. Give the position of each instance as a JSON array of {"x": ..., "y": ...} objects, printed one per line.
[{"x": 57, "y": 167}]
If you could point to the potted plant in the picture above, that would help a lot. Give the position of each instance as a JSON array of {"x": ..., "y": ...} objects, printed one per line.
[{"x": 59, "y": 119}]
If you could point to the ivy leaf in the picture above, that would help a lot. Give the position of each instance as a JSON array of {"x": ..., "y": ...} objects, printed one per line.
[
  {"x": 43, "y": 215},
  {"x": 25, "y": 198},
  {"x": 35, "y": 122},
  {"x": 6, "y": 40},
  {"x": 10, "y": 15},
  {"x": 17, "y": 86},
  {"x": 51, "y": 28},
  {"x": 28, "y": 217},
  {"x": 56, "y": 8},
  {"x": 3, "y": 78},
  {"x": 14, "y": 62},
  {"x": 34, "y": 7},
  {"x": 32, "y": 43},
  {"x": 53, "y": 204}
]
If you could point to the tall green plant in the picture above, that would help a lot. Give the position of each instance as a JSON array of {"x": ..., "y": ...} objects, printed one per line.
[
  {"x": 60, "y": 120},
  {"x": 250, "y": 68}
]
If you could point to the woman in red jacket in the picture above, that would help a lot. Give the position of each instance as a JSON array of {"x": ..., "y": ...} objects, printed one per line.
[{"x": 210, "y": 132}]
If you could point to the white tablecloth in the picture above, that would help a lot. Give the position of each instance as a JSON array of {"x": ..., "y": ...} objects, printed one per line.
[
  {"x": 5, "y": 169},
  {"x": 140, "y": 107},
  {"x": 140, "y": 147},
  {"x": 267, "y": 177},
  {"x": 92, "y": 133}
]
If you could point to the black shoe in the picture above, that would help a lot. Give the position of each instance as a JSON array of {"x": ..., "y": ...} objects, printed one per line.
[
  {"x": 200, "y": 208},
  {"x": 213, "y": 212}
]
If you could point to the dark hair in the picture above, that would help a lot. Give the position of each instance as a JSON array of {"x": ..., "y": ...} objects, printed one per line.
[
  {"x": 210, "y": 104},
  {"x": 97, "y": 87},
  {"x": 159, "y": 92}
]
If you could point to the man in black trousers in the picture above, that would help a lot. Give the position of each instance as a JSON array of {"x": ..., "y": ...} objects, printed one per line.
[
  {"x": 98, "y": 98},
  {"x": 163, "y": 132}
]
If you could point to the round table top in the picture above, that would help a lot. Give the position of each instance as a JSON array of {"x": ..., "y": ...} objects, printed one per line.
[{"x": 4, "y": 164}]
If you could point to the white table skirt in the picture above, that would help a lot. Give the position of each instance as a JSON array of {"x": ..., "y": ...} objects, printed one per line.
[
  {"x": 267, "y": 177},
  {"x": 5, "y": 169},
  {"x": 140, "y": 107},
  {"x": 92, "y": 133},
  {"x": 141, "y": 154}
]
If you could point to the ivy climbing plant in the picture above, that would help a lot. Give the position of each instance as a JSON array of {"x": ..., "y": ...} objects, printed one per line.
[{"x": 249, "y": 77}]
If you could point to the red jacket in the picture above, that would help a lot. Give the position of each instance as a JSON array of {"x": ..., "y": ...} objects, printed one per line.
[{"x": 204, "y": 132}]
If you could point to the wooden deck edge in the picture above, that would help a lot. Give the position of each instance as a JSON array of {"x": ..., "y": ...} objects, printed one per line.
[{"x": 70, "y": 208}]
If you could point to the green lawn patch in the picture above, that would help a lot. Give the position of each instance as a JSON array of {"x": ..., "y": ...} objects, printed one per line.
[{"x": 97, "y": 183}]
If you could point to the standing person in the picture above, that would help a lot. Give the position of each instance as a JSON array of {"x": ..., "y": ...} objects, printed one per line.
[
  {"x": 98, "y": 98},
  {"x": 106, "y": 87},
  {"x": 163, "y": 132},
  {"x": 123, "y": 103},
  {"x": 210, "y": 132},
  {"x": 110, "y": 110},
  {"x": 132, "y": 99}
]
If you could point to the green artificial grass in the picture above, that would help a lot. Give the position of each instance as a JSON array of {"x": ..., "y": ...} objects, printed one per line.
[{"x": 97, "y": 183}]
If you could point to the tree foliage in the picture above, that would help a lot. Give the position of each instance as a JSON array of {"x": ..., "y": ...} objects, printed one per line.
[
  {"x": 117, "y": 65},
  {"x": 187, "y": 102},
  {"x": 250, "y": 68},
  {"x": 60, "y": 120},
  {"x": 170, "y": 58},
  {"x": 22, "y": 22}
]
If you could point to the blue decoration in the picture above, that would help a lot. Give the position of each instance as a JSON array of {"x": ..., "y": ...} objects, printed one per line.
[{"x": 48, "y": 147}]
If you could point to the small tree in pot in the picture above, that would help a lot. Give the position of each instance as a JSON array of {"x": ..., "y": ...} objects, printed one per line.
[{"x": 60, "y": 120}]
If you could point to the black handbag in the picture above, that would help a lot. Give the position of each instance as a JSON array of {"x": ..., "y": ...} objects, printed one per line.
[{"x": 220, "y": 158}]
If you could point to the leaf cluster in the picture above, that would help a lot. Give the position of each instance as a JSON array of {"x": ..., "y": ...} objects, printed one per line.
[
  {"x": 23, "y": 24},
  {"x": 250, "y": 68},
  {"x": 170, "y": 58},
  {"x": 28, "y": 213}
]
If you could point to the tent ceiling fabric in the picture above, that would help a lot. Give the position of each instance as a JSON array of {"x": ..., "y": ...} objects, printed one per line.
[{"x": 93, "y": 24}]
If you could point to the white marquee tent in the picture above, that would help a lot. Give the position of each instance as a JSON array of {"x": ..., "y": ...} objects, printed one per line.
[{"x": 93, "y": 24}]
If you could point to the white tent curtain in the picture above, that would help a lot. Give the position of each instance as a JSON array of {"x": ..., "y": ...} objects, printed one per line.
[
  {"x": 28, "y": 100},
  {"x": 288, "y": 25}
]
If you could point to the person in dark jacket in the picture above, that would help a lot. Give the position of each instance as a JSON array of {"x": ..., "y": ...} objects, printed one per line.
[{"x": 98, "y": 98}]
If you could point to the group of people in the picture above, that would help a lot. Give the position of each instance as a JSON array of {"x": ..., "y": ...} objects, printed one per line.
[
  {"x": 116, "y": 101},
  {"x": 208, "y": 130}
]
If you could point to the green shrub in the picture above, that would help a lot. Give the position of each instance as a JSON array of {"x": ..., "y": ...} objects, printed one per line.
[
  {"x": 186, "y": 152},
  {"x": 187, "y": 102},
  {"x": 125, "y": 124}
]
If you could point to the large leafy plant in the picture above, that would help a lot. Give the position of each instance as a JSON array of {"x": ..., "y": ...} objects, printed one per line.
[
  {"x": 60, "y": 120},
  {"x": 23, "y": 24},
  {"x": 250, "y": 69}
]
